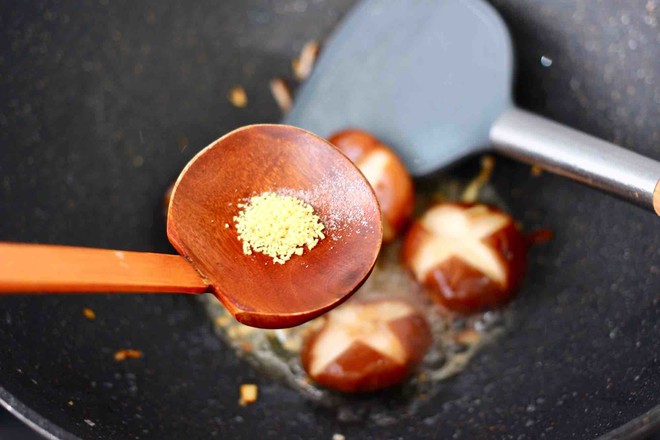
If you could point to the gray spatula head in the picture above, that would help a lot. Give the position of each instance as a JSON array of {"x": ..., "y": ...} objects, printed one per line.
[{"x": 428, "y": 77}]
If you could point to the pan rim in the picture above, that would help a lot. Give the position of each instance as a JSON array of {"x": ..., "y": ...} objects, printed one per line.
[
  {"x": 646, "y": 423},
  {"x": 33, "y": 419}
]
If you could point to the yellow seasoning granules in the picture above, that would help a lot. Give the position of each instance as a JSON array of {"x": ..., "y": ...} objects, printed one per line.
[{"x": 277, "y": 226}]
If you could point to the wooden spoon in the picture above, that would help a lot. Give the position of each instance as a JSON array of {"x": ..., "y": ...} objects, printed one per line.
[{"x": 258, "y": 292}]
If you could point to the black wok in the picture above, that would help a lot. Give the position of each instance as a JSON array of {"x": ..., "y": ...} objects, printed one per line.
[{"x": 103, "y": 103}]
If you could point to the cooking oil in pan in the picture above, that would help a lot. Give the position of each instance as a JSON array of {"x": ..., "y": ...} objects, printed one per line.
[{"x": 456, "y": 339}]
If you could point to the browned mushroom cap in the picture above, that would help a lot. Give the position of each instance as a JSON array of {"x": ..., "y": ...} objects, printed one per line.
[
  {"x": 366, "y": 345},
  {"x": 386, "y": 174},
  {"x": 469, "y": 256}
]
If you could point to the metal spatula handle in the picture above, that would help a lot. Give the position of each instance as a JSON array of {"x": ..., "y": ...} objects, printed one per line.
[{"x": 568, "y": 152}]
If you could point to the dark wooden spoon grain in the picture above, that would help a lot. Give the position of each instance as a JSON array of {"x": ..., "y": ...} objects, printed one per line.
[
  {"x": 205, "y": 199},
  {"x": 261, "y": 158}
]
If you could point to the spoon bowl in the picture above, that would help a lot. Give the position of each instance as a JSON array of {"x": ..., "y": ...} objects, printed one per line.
[{"x": 288, "y": 161}]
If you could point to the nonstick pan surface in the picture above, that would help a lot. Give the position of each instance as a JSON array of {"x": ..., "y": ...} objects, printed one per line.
[{"x": 101, "y": 105}]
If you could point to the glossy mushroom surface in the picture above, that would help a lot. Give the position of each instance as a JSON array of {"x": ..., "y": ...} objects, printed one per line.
[
  {"x": 366, "y": 345},
  {"x": 385, "y": 172},
  {"x": 469, "y": 257}
]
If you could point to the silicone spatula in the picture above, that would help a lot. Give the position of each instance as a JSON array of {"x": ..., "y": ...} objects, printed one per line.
[{"x": 433, "y": 80}]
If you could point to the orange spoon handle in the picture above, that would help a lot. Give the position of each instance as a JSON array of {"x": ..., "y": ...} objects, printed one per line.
[{"x": 35, "y": 268}]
